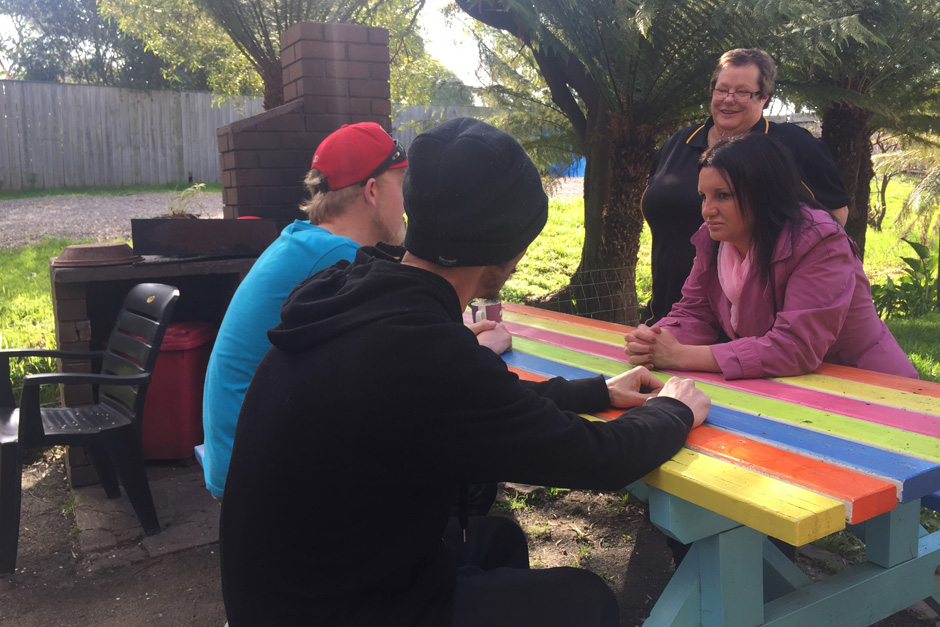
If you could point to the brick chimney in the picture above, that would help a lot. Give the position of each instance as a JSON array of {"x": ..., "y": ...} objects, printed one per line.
[{"x": 334, "y": 74}]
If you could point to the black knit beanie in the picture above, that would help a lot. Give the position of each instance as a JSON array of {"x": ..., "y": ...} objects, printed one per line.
[{"x": 472, "y": 195}]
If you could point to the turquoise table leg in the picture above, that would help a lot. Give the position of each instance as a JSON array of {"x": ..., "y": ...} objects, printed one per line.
[
  {"x": 684, "y": 521},
  {"x": 720, "y": 581},
  {"x": 718, "y": 584},
  {"x": 781, "y": 576},
  {"x": 892, "y": 538},
  {"x": 906, "y": 571},
  {"x": 862, "y": 594},
  {"x": 680, "y": 604},
  {"x": 731, "y": 567},
  {"x": 734, "y": 577}
]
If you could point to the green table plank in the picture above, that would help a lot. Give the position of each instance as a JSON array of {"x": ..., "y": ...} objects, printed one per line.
[{"x": 865, "y": 432}]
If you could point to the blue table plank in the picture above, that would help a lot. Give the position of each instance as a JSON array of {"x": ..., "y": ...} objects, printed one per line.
[
  {"x": 915, "y": 478},
  {"x": 544, "y": 367}
]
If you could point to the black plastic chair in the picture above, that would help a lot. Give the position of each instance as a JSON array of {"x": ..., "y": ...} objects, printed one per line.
[{"x": 110, "y": 429}]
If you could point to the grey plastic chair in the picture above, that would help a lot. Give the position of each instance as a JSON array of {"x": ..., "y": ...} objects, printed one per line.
[{"x": 110, "y": 429}]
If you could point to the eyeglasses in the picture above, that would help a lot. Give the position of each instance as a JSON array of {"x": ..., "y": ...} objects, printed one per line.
[
  {"x": 739, "y": 96},
  {"x": 396, "y": 156}
]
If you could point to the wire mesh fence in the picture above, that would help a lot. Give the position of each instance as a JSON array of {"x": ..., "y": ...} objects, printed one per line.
[{"x": 601, "y": 294}]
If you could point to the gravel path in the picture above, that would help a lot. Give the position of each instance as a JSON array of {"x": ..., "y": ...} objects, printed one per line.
[
  {"x": 100, "y": 218},
  {"x": 107, "y": 218}
]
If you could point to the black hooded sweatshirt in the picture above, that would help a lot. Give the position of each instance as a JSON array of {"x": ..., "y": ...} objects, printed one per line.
[{"x": 373, "y": 405}]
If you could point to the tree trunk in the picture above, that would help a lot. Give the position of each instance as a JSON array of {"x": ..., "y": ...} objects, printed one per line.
[
  {"x": 273, "y": 85},
  {"x": 617, "y": 166},
  {"x": 877, "y": 217},
  {"x": 846, "y": 133}
]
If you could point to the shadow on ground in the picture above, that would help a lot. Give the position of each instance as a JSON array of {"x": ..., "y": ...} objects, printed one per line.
[{"x": 84, "y": 560}]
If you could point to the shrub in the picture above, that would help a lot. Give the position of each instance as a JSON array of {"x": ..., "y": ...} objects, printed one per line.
[{"x": 915, "y": 293}]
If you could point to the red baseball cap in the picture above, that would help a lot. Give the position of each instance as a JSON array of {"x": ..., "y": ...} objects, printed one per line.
[{"x": 357, "y": 152}]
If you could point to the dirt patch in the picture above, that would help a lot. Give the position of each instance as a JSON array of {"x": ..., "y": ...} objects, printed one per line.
[
  {"x": 97, "y": 218},
  {"x": 607, "y": 533},
  {"x": 566, "y": 187},
  {"x": 55, "y": 584},
  {"x": 610, "y": 534},
  {"x": 106, "y": 218}
]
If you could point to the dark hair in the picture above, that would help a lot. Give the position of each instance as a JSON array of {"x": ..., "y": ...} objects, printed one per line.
[
  {"x": 767, "y": 187},
  {"x": 749, "y": 56}
]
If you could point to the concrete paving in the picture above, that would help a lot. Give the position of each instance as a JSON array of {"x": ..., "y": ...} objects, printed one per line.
[{"x": 110, "y": 535}]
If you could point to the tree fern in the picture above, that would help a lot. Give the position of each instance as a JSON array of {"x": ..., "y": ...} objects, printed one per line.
[
  {"x": 624, "y": 74},
  {"x": 921, "y": 209}
]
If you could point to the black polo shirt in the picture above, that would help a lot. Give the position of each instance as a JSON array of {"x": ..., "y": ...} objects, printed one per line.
[{"x": 672, "y": 207}]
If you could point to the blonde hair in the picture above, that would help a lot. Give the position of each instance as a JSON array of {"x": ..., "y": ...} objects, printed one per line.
[{"x": 325, "y": 204}]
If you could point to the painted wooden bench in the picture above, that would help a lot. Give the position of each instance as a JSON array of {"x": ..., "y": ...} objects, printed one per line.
[{"x": 794, "y": 458}]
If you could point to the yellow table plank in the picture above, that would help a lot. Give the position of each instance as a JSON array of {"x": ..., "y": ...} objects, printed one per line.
[
  {"x": 566, "y": 328},
  {"x": 790, "y": 513},
  {"x": 866, "y": 392}
]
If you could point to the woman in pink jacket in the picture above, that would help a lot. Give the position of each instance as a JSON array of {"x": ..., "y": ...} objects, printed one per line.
[{"x": 776, "y": 276}]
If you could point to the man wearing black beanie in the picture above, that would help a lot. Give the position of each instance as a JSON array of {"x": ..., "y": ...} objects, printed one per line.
[{"x": 376, "y": 402}]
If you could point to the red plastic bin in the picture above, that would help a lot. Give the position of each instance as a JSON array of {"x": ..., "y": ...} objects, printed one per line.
[{"x": 173, "y": 410}]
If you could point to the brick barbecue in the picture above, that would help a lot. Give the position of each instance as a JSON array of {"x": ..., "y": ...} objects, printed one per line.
[{"x": 334, "y": 74}]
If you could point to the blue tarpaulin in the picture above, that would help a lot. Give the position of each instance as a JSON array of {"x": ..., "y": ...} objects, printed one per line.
[{"x": 575, "y": 168}]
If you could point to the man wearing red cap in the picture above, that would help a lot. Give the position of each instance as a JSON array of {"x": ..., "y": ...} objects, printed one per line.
[
  {"x": 377, "y": 404},
  {"x": 355, "y": 200}
]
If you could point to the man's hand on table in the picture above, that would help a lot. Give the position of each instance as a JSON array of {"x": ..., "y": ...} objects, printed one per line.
[
  {"x": 492, "y": 335},
  {"x": 684, "y": 390},
  {"x": 635, "y": 387}
]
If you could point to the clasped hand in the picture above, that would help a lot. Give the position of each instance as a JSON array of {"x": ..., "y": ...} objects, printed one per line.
[{"x": 652, "y": 347}]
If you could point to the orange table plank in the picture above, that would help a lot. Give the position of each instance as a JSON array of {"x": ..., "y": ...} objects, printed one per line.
[{"x": 864, "y": 497}]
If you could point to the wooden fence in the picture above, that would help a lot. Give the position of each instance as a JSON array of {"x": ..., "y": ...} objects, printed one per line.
[
  {"x": 407, "y": 122},
  {"x": 62, "y": 135}
]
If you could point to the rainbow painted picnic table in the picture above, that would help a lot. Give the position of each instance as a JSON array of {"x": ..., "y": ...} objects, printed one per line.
[{"x": 796, "y": 459}]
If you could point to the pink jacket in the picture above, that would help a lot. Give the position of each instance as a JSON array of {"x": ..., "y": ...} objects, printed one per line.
[{"x": 817, "y": 308}]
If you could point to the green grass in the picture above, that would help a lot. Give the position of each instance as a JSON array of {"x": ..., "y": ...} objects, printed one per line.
[
  {"x": 520, "y": 501},
  {"x": 26, "y": 319},
  {"x": 554, "y": 255},
  {"x": 884, "y": 249},
  {"x": 929, "y": 519},
  {"x": 584, "y": 549},
  {"x": 554, "y": 493},
  {"x": 26, "y": 305},
  {"x": 71, "y": 502},
  {"x": 918, "y": 338},
  {"x": 845, "y": 544},
  {"x": 26, "y": 295},
  {"x": 540, "y": 530},
  {"x": 105, "y": 191}
]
